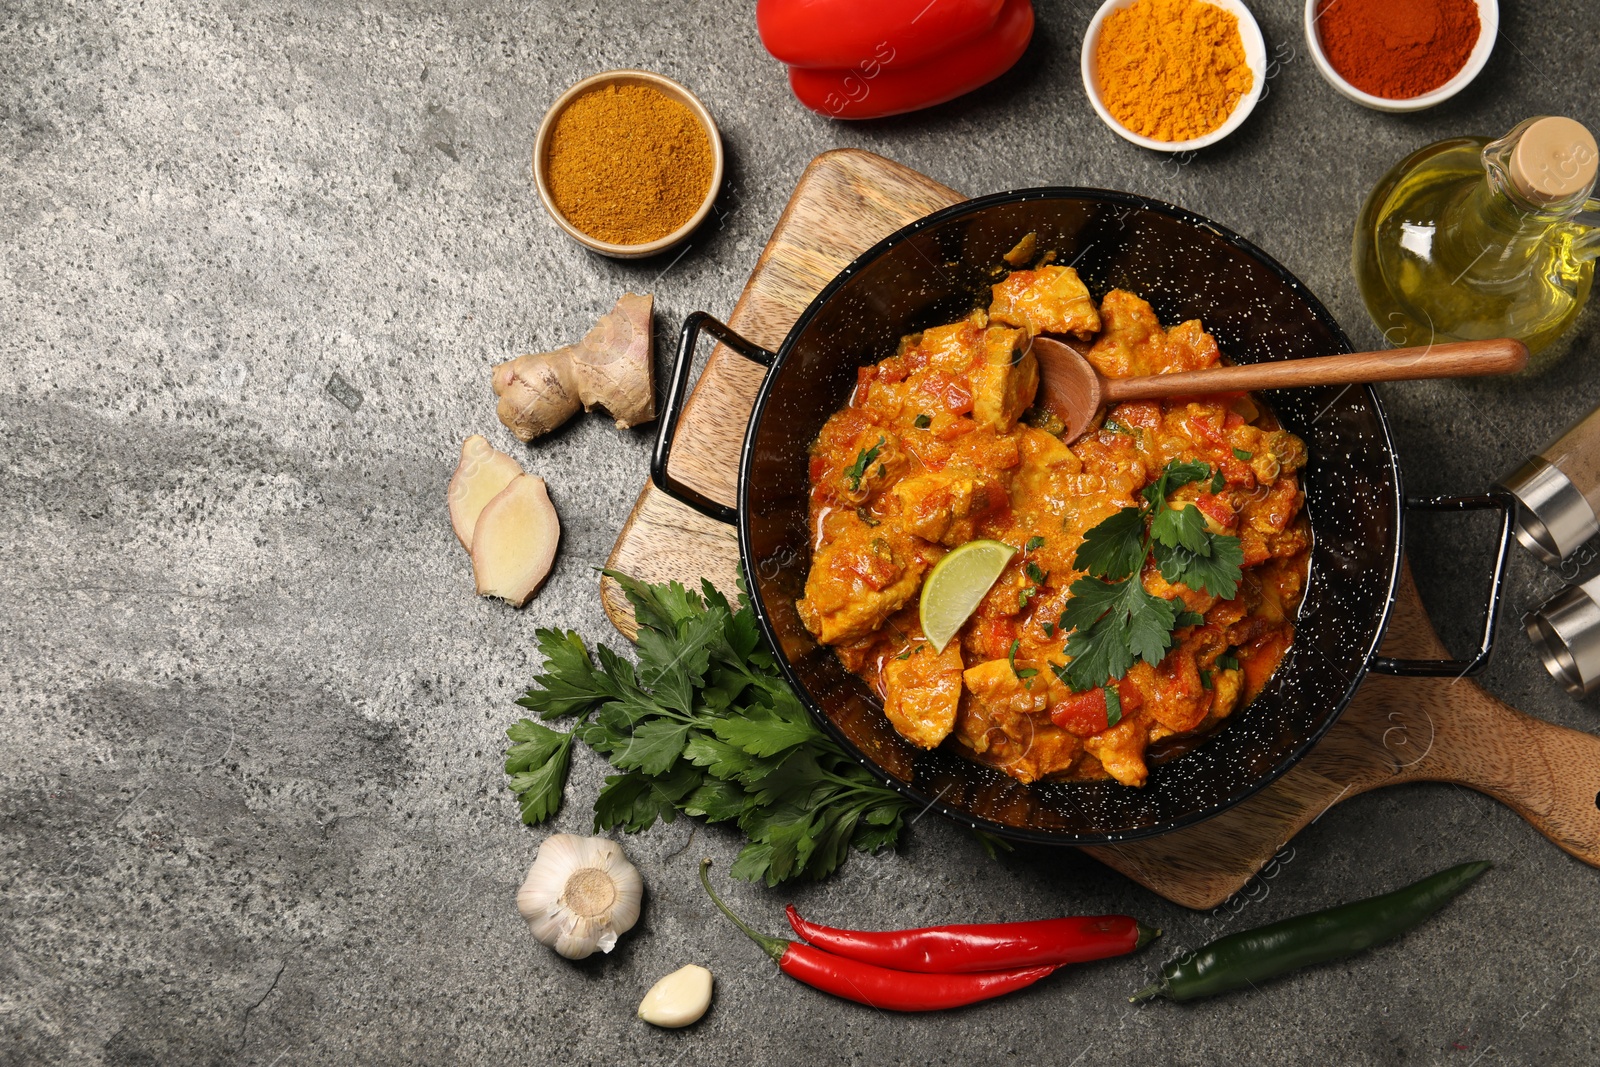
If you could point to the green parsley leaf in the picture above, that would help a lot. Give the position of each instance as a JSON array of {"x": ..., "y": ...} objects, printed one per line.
[
  {"x": 1011, "y": 657},
  {"x": 1113, "y": 706},
  {"x": 1049, "y": 628},
  {"x": 1185, "y": 526},
  {"x": 1031, "y": 569},
  {"x": 864, "y": 459},
  {"x": 1188, "y": 618},
  {"x": 1219, "y": 482},
  {"x": 1241, "y": 455},
  {"x": 922, "y": 422},
  {"x": 1179, "y": 472},
  {"x": 635, "y": 801},
  {"x": 1113, "y": 624},
  {"x": 538, "y": 768},
  {"x": 1115, "y": 548},
  {"x": 705, "y": 725},
  {"x": 1217, "y": 571},
  {"x": 1034, "y": 543},
  {"x": 652, "y": 748}
]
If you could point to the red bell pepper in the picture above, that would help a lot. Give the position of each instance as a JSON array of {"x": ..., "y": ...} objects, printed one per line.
[
  {"x": 1085, "y": 714},
  {"x": 847, "y": 33},
  {"x": 888, "y": 84}
]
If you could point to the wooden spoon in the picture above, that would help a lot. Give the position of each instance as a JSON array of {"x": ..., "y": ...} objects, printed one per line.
[{"x": 1073, "y": 391}]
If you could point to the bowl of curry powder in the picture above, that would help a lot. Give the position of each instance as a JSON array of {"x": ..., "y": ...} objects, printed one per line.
[
  {"x": 628, "y": 163},
  {"x": 1173, "y": 75}
]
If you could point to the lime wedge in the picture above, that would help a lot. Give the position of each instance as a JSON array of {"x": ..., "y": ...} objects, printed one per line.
[{"x": 952, "y": 592}]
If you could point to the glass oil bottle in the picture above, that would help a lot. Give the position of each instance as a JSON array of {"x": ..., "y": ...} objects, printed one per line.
[{"x": 1469, "y": 239}]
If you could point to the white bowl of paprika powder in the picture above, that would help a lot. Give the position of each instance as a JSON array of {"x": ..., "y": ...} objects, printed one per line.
[{"x": 1401, "y": 55}]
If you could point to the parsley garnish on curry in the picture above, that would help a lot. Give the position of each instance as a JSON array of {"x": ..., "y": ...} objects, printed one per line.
[{"x": 1160, "y": 558}]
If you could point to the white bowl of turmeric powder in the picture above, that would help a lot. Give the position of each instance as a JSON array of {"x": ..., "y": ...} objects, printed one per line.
[
  {"x": 1140, "y": 64},
  {"x": 628, "y": 163}
]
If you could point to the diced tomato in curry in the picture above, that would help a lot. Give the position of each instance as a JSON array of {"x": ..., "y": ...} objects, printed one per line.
[{"x": 930, "y": 453}]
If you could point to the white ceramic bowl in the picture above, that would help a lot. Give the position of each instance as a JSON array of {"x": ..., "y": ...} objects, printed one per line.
[
  {"x": 1488, "y": 31},
  {"x": 1255, "y": 56}
]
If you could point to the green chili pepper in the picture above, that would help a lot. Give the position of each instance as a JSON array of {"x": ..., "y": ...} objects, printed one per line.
[{"x": 1252, "y": 956}]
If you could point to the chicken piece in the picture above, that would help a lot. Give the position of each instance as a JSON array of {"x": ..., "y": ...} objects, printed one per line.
[
  {"x": 1005, "y": 720},
  {"x": 921, "y": 693},
  {"x": 951, "y": 349},
  {"x": 876, "y": 460},
  {"x": 1175, "y": 696},
  {"x": 1189, "y": 347},
  {"x": 1130, "y": 338},
  {"x": 997, "y": 687},
  {"x": 1047, "y": 300},
  {"x": 859, "y": 577},
  {"x": 1132, "y": 342},
  {"x": 1004, "y": 380},
  {"x": 938, "y": 505},
  {"x": 1040, "y": 751},
  {"x": 1226, "y": 687},
  {"x": 1120, "y": 750},
  {"x": 1047, "y": 478}
]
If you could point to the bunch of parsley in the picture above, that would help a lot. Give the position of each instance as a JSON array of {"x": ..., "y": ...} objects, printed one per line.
[
  {"x": 704, "y": 725},
  {"x": 1113, "y": 619}
]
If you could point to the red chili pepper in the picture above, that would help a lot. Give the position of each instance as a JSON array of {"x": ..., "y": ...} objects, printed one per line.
[
  {"x": 984, "y": 946},
  {"x": 848, "y": 33},
  {"x": 879, "y": 987},
  {"x": 888, "y": 85}
]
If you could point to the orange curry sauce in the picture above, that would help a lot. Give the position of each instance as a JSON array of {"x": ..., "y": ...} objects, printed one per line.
[{"x": 954, "y": 463}]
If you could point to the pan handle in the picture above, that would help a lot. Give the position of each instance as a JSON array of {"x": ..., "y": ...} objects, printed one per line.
[
  {"x": 667, "y": 427},
  {"x": 1500, "y": 501}
]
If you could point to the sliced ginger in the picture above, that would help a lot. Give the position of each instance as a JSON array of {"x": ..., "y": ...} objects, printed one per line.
[
  {"x": 612, "y": 367},
  {"x": 479, "y": 477},
  {"x": 505, "y": 521},
  {"x": 514, "y": 541}
]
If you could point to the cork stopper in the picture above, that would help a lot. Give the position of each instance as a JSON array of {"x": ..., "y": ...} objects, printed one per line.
[{"x": 1555, "y": 158}]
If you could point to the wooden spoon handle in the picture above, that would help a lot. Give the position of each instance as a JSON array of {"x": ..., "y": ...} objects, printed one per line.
[{"x": 1457, "y": 359}]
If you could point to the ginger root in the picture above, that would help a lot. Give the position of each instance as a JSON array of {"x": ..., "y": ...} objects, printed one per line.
[
  {"x": 612, "y": 367},
  {"x": 479, "y": 477},
  {"x": 514, "y": 541}
]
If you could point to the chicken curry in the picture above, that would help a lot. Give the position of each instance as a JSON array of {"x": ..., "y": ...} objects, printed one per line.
[{"x": 939, "y": 445}]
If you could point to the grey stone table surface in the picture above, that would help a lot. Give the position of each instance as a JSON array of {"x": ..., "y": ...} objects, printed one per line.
[{"x": 255, "y": 262}]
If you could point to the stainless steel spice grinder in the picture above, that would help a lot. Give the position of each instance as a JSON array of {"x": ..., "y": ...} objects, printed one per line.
[
  {"x": 1558, "y": 510},
  {"x": 1566, "y": 631},
  {"x": 1558, "y": 493}
]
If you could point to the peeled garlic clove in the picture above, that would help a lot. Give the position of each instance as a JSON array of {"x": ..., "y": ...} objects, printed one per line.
[
  {"x": 678, "y": 999},
  {"x": 580, "y": 895}
]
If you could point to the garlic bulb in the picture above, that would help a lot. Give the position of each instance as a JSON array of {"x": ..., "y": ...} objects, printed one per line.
[
  {"x": 679, "y": 999},
  {"x": 580, "y": 894}
]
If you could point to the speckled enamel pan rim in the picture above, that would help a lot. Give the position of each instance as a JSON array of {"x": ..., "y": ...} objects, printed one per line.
[
  {"x": 541, "y": 146},
  {"x": 1255, "y": 57},
  {"x": 747, "y": 549},
  {"x": 1488, "y": 32}
]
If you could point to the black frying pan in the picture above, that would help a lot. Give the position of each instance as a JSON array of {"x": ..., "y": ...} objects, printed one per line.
[{"x": 938, "y": 269}]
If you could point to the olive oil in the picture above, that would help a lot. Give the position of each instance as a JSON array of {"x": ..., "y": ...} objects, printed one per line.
[{"x": 1469, "y": 239}]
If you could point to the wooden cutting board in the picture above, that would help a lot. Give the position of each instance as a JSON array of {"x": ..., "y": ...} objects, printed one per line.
[{"x": 1395, "y": 729}]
